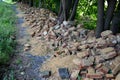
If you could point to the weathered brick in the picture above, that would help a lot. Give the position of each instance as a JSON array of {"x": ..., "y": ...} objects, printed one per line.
[
  {"x": 112, "y": 66},
  {"x": 99, "y": 59},
  {"x": 117, "y": 77},
  {"x": 91, "y": 70},
  {"x": 83, "y": 72},
  {"x": 109, "y": 76},
  {"x": 110, "y": 55},
  {"x": 106, "y": 33},
  {"x": 83, "y": 54},
  {"x": 94, "y": 76},
  {"x": 116, "y": 69},
  {"x": 107, "y": 50},
  {"x": 74, "y": 74},
  {"x": 104, "y": 69},
  {"x": 91, "y": 58},
  {"x": 86, "y": 63}
]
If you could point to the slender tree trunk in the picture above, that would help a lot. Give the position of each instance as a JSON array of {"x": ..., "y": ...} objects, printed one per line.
[
  {"x": 31, "y": 3},
  {"x": 64, "y": 9},
  {"x": 115, "y": 27},
  {"x": 40, "y": 5},
  {"x": 72, "y": 16},
  {"x": 100, "y": 20},
  {"x": 60, "y": 10},
  {"x": 109, "y": 14}
]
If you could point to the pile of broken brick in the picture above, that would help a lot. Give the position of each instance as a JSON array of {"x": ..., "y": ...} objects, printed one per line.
[{"x": 98, "y": 59}]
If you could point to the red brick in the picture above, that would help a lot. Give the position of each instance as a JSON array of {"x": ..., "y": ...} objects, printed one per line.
[
  {"x": 103, "y": 69},
  {"x": 109, "y": 76},
  {"x": 99, "y": 59},
  {"x": 110, "y": 55},
  {"x": 94, "y": 76},
  {"x": 116, "y": 69}
]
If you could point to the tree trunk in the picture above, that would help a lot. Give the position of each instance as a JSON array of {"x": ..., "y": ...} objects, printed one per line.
[
  {"x": 100, "y": 20},
  {"x": 60, "y": 10},
  {"x": 109, "y": 14},
  {"x": 31, "y": 3},
  {"x": 73, "y": 13},
  {"x": 40, "y": 4},
  {"x": 64, "y": 9},
  {"x": 116, "y": 21}
]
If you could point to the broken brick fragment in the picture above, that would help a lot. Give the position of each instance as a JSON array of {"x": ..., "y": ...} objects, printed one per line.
[{"x": 94, "y": 75}]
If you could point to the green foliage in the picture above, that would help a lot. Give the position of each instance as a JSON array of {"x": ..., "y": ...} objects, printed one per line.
[
  {"x": 7, "y": 29},
  {"x": 49, "y": 4},
  {"x": 87, "y": 13}
]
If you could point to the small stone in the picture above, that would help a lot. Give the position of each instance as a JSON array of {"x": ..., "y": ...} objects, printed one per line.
[
  {"x": 56, "y": 27},
  {"x": 45, "y": 33},
  {"x": 27, "y": 45},
  {"x": 46, "y": 74},
  {"x": 64, "y": 45},
  {"x": 64, "y": 73},
  {"x": 65, "y": 23},
  {"x": 22, "y": 73},
  {"x": 26, "y": 49},
  {"x": 118, "y": 38}
]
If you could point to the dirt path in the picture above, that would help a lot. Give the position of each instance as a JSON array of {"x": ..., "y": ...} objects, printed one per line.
[{"x": 25, "y": 65}]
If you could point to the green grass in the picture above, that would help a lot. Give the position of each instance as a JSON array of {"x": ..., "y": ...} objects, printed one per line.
[{"x": 7, "y": 30}]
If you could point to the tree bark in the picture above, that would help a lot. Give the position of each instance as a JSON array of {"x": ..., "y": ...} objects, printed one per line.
[
  {"x": 40, "y": 5},
  {"x": 60, "y": 10},
  {"x": 115, "y": 27},
  {"x": 73, "y": 13},
  {"x": 100, "y": 20},
  {"x": 64, "y": 9},
  {"x": 109, "y": 14}
]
